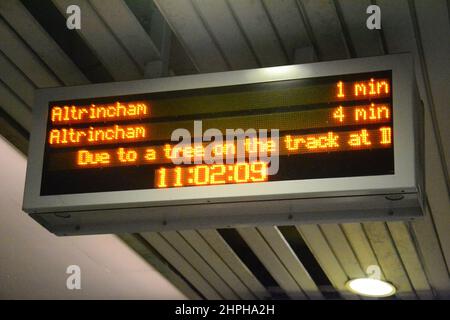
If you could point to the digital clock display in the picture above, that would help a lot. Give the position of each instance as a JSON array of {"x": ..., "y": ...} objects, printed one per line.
[{"x": 327, "y": 127}]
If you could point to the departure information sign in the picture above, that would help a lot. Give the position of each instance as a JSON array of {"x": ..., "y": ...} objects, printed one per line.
[{"x": 335, "y": 126}]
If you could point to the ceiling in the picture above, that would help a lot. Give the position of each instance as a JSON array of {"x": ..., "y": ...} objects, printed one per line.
[{"x": 133, "y": 39}]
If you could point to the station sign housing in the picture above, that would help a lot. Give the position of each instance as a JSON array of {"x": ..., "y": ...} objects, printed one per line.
[{"x": 347, "y": 136}]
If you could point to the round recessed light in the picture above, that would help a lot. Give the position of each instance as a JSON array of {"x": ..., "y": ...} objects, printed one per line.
[{"x": 371, "y": 287}]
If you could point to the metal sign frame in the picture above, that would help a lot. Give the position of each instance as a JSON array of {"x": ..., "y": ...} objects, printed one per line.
[{"x": 405, "y": 181}]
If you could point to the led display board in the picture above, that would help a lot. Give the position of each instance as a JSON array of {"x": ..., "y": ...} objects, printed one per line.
[{"x": 344, "y": 130}]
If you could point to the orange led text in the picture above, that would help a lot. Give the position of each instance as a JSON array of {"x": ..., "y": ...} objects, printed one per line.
[
  {"x": 91, "y": 158},
  {"x": 372, "y": 113},
  {"x": 92, "y": 135},
  {"x": 312, "y": 142},
  {"x": 371, "y": 88},
  {"x": 360, "y": 139},
  {"x": 368, "y": 88},
  {"x": 117, "y": 111}
]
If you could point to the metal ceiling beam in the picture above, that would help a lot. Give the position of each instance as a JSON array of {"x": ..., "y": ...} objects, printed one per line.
[
  {"x": 214, "y": 260},
  {"x": 44, "y": 46},
  {"x": 20, "y": 54},
  {"x": 389, "y": 259},
  {"x": 289, "y": 259},
  {"x": 343, "y": 250},
  {"x": 219, "y": 245},
  {"x": 16, "y": 80},
  {"x": 142, "y": 247},
  {"x": 364, "y": 41},
  {"x": 201, "y": 266},
  {"x": 270, "y": 260},
  {"x": 13, "y": 132},
  {"x": 15, "y": 107},
  {"x": 259, "y": 29},
  {"x": 132, "y": 36},
  {"x": 104, "y": 43},
  {"x": 190, "y": 30},
  {"x": 222, "y": 26},
  {"x": 429, "y": 250},
  {"x": 319, "y": 246},
  {"x": 289, "y": 25},
  {"x": 326, "y": 28},
  {"x": 361, "y": 246},
  {"x": 411, "y": 262},
  {"x": 182, "y": 265}
]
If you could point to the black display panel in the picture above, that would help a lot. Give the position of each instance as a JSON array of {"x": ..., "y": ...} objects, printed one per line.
[{"x": 339, "y": 126}]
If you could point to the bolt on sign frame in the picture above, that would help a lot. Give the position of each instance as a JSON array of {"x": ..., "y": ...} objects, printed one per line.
[{"x": 116, "y": 196}]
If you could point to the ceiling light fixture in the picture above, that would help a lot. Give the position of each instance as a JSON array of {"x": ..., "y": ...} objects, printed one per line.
[{"x": 371, "y": 287}]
